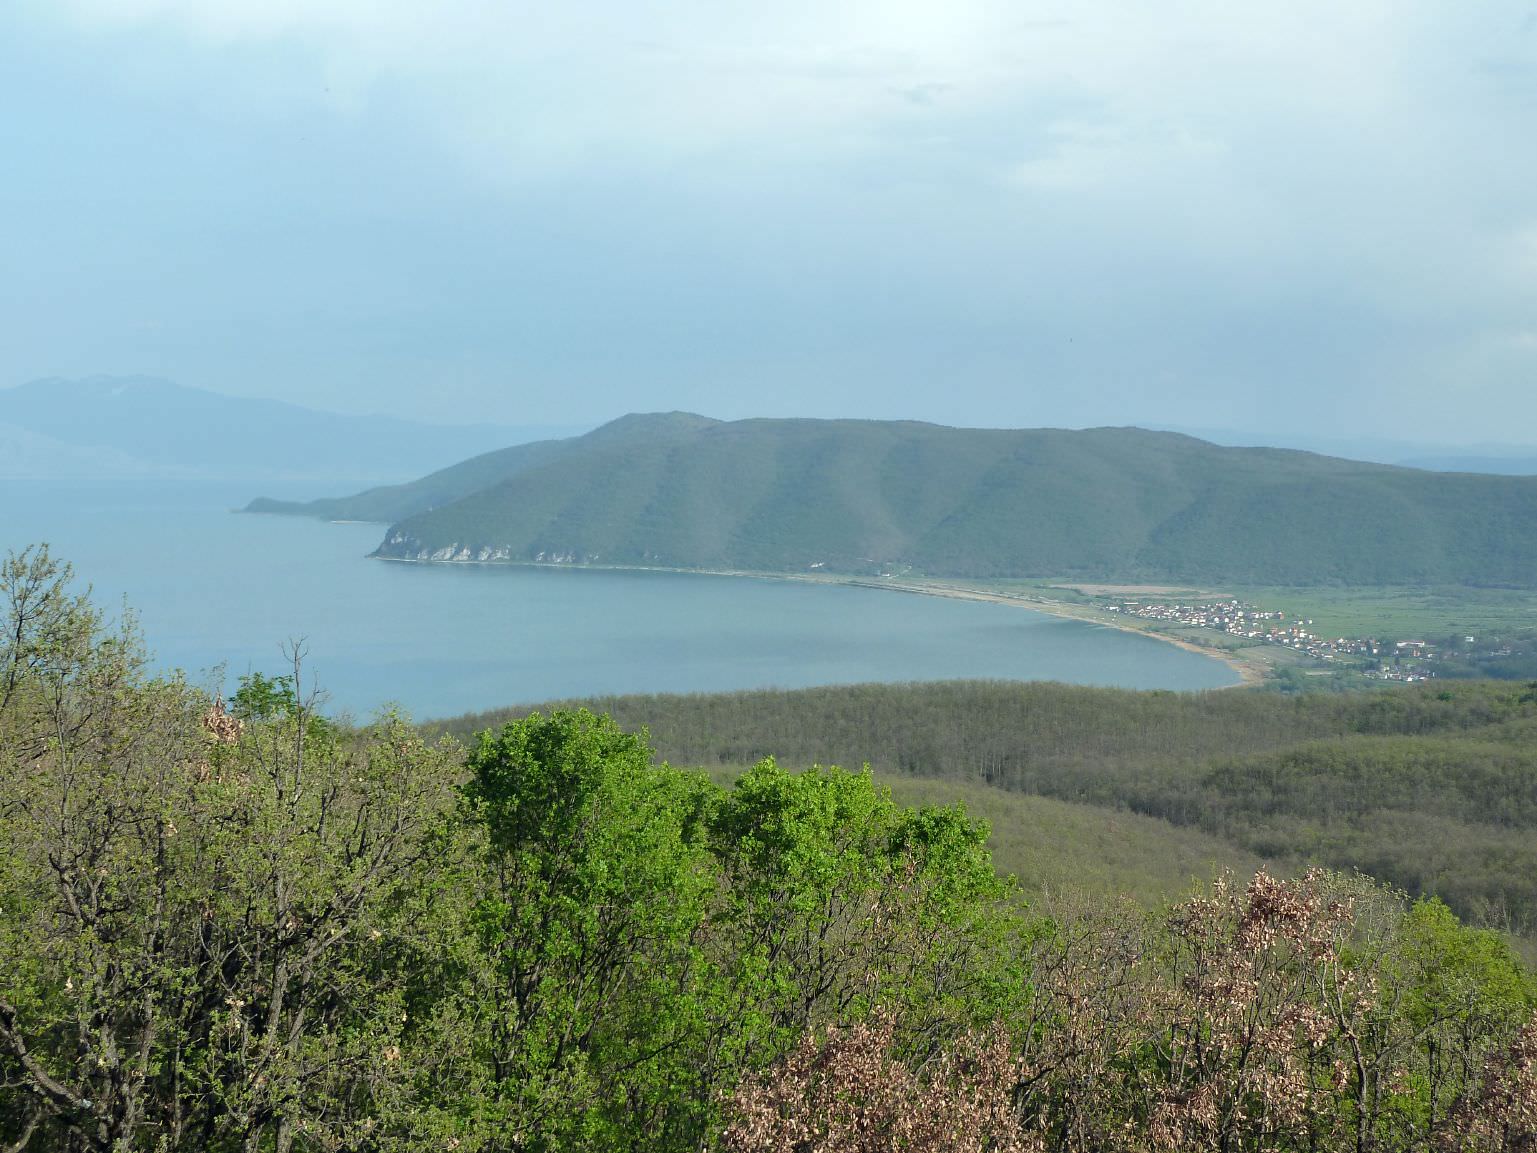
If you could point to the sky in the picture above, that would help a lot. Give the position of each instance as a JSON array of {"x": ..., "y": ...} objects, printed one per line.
[{"x": 1302, "y": 217}]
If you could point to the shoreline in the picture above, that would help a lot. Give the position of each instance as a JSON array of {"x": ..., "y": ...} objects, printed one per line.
[{"x": 1251, "y": 672}]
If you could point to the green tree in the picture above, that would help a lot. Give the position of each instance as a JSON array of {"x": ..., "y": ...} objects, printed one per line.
[
  {"x": 197, "y": 946},
  {"x": 636, "y": 939},
  {"x": 576, "y": 1013},
  {"x": 1462, "y": 990},
  {"x": 841, "y": 902}
]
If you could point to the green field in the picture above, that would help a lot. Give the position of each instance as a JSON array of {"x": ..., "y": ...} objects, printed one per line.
[
  {"x": 1398, "y": 611},
  {"x": 1446, "y": 615},
  {"x": 1403, "y": 612}
]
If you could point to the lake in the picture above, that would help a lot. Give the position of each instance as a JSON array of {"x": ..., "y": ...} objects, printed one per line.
[{"x": 214, "y": 588}]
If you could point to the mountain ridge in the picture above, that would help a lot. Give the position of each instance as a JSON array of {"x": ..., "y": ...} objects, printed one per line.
[{"x": 682, "y": 491}]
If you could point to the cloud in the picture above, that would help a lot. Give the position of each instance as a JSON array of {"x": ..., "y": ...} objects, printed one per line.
[
  {"x": 1524, "y": 243},
  {"x": 1302, "y": 192},
  {"x": 1081, "y": 95},
  {"x": 574, "y": 82},
  {"x": 680, "y": 72}
]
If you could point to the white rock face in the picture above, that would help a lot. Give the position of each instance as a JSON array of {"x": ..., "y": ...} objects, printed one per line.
[{"x": 407, "y": 547}]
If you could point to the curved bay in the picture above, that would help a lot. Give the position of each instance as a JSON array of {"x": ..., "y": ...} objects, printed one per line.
[{"x": 215, "y": 588}]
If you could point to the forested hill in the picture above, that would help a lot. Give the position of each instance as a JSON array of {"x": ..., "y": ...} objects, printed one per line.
[
  {"x": 683, "y": 491},
  {"x": 1431, "y": 787}
]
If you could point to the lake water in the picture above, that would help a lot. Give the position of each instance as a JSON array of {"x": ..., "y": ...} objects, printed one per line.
[{"x": 214, "y": 588}]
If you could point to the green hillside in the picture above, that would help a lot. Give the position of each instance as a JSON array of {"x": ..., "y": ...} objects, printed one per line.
[
  {"x": 1433, "y": 788},
  {"x": 393, "y": 502},
  {"x": 389, "y": 503},
  {"x": 870, "y": 496}
]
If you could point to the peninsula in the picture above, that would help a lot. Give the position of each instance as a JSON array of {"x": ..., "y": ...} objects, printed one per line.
[{"x": 901, "y": 499}]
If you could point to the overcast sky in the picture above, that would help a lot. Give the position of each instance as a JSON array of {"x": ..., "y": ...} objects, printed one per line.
[{"x": 1302, "y": 215}]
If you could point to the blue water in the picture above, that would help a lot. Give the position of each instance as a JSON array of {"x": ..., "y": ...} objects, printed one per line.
[{"x": 212, "y": 588}]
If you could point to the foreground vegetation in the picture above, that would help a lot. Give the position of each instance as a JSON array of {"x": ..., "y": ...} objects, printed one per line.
[
  {"x": 247, "y": 927},
  {"x": 1050, "y": 846},
  {"x": 1430, "y": 787}
]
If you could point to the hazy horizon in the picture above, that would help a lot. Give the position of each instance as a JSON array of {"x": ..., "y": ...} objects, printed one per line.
[{"x": 1430, "y": 453}]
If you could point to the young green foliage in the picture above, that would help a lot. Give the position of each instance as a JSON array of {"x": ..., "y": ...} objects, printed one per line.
[{"x": 590, "y": 891}]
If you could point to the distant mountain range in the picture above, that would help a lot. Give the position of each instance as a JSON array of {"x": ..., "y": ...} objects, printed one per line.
[
  {"x": 685, "y": 491},
  {"x": 125, "y": 427}
]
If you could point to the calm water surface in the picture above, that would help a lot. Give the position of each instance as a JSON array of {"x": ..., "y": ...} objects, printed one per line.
[{"x": 213, "y": 588}]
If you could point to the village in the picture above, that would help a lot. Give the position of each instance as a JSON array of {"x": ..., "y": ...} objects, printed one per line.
[{"x": 1380, "y": 660}]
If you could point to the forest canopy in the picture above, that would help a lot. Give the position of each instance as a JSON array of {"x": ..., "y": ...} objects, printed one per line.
[{"x": 1430, "y": 787}]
